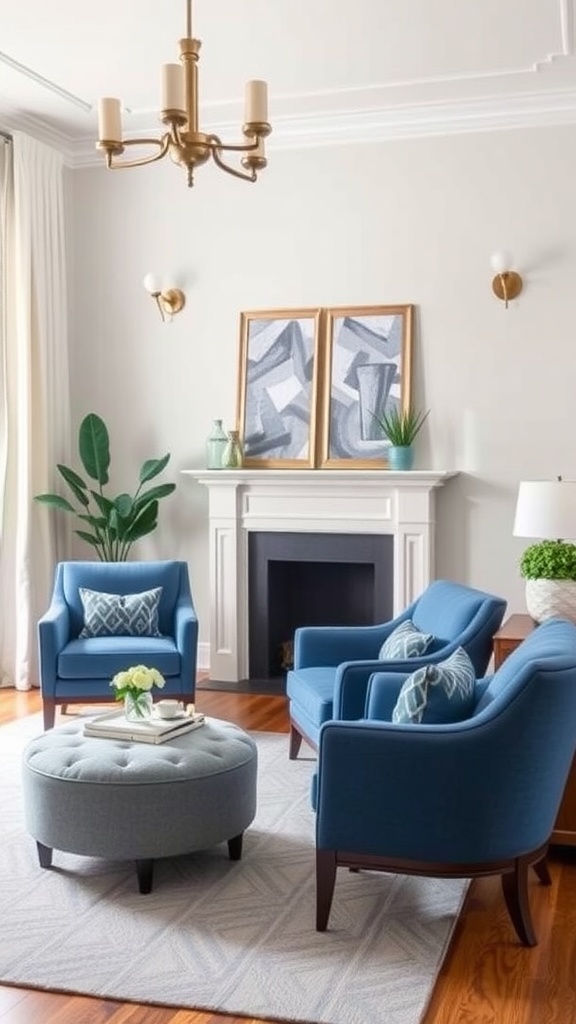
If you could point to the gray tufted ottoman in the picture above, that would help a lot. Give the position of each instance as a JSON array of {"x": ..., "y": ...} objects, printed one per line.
[{"x": 139, "y": 801}]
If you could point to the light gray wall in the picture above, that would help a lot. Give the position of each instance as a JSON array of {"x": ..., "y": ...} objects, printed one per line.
[{"x": 411, "y": 221}]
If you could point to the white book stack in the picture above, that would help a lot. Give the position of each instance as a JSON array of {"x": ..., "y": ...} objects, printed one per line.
[{"x": 115, "y": 726}]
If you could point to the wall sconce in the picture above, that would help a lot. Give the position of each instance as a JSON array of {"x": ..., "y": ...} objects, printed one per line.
[
  {"x": 507, "y": 284},
  {"x": 168, "y": 300}
]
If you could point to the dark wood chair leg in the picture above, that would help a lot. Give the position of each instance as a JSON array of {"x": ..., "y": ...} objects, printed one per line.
[
  {"x": 295, "y": 742},
  {"x": 44, "y": 855},
  {"x": 49, "y": 711},
  {"x": 541, "y": 869},
  {"x": 235, "y": 847},
  {"x": 325, "y": 881},
  {"x": 145, "y": 872},
  {"x": 515, "y": 889}
]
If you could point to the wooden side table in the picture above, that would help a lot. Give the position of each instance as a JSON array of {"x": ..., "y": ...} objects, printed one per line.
[{"x": 509, "y": 636}]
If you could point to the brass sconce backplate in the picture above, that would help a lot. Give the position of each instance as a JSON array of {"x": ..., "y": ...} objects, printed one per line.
[
  {"x": 507, "y": 286},
  {"x": 172, "y": 300}
]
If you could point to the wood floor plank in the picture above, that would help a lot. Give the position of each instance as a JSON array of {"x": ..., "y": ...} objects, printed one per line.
[{"x": 486, "y": 978}]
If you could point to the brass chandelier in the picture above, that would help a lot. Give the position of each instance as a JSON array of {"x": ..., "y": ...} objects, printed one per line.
[{"x": 186, "y": 145}]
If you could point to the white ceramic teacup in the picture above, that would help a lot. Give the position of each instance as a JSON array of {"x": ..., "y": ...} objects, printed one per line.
[{"x": 168, "y": 708}]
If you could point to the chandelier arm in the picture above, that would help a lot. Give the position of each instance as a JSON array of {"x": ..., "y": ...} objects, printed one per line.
[
  {"x": 252, "y": 176},
  {"x": 249, "y": 147},
  {"x": 162, "y": 144}
]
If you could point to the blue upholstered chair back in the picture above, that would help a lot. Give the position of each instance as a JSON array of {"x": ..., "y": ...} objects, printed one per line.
[
  {"x": 453, "y": 611},
  {"x": 121, "y": 578}
]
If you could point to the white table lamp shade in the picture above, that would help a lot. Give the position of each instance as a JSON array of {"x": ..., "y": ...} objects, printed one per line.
[{"x": 546, "y": 509}]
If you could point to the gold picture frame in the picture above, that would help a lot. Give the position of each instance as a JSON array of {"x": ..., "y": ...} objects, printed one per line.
[
  {"x": 311, "y": 380},
  {"x": 367, "y": 364},
  {"x": 279, "y": 387}
]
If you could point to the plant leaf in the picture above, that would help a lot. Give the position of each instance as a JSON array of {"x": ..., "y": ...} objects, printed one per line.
[
  {"x": 124, "y": 505},
  {"x": 152, "y": 467},
  {"x": 94, "y": 447},
  {"x": 55, "y": 501},
  {"x": 100, "y": 525},
  {"x": 154, "y": 494},
  {"x": 145, "y": 521},
  {"x": 104, "y": 504},
  {"x": 89, "y": 538},
  {"x": 401, "y": 426},
  {"x": 75, "y": 483}
]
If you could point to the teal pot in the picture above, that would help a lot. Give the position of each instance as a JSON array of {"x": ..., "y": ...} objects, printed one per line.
[{"x": 400, "y": 457}]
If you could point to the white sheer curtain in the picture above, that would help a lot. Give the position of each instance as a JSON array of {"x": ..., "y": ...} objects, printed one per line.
[{"x": 34, "y": 393}]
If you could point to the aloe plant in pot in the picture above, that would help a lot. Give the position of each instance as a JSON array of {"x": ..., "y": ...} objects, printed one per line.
[
  {"x": 401, "y": 427},
  {"x": 112, "y": 525}
]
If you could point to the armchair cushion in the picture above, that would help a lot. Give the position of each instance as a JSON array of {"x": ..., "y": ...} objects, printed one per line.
[
  {"x": 120, "y": 614},
  {"x": 438, "y": 693},
  {"x": 406, "y": 641}
]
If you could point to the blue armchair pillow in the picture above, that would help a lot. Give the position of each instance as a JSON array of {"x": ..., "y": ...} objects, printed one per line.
[
  {"x": 120, "y": 614},
  {"x": 438, "y": 693},
  {"x": 406, "y": 641}
]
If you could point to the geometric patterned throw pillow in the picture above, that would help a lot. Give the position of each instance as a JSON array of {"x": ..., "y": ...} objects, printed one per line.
[
  {"x": 120, "y": 614},
  {"x": 406, "y": 641},
  {"x": 438, "y": 693}
]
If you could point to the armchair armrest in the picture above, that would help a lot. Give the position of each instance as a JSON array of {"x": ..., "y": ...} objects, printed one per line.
[
  {"x": 186, "y": 636},
  {"x": 331, "y": 645},
  {"x": 53, "y": 635},
  {"x": 351, "y": 683},
  {"x": 383, "y": 690}
]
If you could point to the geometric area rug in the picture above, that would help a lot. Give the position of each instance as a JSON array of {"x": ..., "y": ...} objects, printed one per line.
[{"x": 219, "y": 935}]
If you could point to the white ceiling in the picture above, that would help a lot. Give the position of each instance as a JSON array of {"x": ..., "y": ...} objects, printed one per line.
[{"x": 336, "y": 71}]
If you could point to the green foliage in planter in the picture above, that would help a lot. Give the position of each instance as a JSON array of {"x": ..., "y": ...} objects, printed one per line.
[
  {"x": 549, "y": 560},
  {"x": 401, "y": 427},
  {"x": 114, "y": 523}
]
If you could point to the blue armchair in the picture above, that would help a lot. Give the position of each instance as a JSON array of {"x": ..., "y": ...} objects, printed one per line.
[
  {"x": 78, "y": 669},
  {"x": 474, "y": 797},
  {"x": 332, "y": 664}
]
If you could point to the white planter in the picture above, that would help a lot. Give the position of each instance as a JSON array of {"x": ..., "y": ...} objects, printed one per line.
[{"x": 546, "y": 599}]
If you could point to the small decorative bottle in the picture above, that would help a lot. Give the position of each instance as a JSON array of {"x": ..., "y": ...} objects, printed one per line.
[
  {"x": 232, "y": 457},
  {"x": 216, "y": 444}
]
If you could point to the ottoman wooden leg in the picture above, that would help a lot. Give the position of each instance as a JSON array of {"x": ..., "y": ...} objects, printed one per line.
[
  {"x": 235, "y": 847},
  {"x": 44, "y": 855},
  {"x": 145, "y": 871}
]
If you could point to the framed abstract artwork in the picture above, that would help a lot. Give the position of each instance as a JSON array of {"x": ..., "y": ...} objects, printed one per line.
[
  {"x": 278, "y": 387},
  {"x": 367, "y": 358}
]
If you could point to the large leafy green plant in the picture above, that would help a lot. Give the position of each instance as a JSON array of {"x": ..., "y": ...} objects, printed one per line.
[
  {"x": 549, "y": 560},
  {"x": 113, "y": 524}
]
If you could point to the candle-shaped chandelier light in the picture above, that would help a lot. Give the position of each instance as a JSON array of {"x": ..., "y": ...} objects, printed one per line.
[{"x": 186, "y": 145}]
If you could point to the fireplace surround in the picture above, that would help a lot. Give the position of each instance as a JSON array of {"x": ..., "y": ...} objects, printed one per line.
[{"x": 360, "y": 502}]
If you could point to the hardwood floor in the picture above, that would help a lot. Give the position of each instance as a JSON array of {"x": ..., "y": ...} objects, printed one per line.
[{"x": 487, "y": 978}]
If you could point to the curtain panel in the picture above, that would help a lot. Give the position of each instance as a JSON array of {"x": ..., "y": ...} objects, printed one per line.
[{"x": 34, "y": 393}]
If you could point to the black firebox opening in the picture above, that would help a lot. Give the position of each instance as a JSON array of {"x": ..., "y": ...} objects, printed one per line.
[{"x": 312, "y": 579}]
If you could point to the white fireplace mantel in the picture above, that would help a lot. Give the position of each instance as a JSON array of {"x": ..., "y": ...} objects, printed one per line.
[{"x": 308, "y": 501}]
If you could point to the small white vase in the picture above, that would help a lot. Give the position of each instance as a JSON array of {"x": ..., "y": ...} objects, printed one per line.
[{"x": 138, "y": 706}]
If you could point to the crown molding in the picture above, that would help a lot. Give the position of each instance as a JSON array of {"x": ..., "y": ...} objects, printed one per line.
[
  {"x": 384, "y": 124},
  {"x": 325, "y": 128}
]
